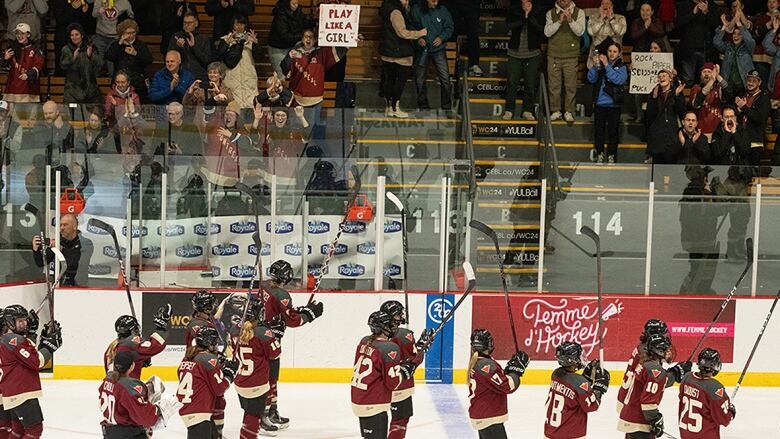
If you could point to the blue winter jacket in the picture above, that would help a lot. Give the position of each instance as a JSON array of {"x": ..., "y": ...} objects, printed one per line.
[
  {"x": 160, "y": 92},
  {"x": 616, "y": 73}
]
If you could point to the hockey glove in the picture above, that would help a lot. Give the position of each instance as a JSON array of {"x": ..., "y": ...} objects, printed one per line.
[
  {"x": 277, "y": 326},
  {"x": 679, "y": 370},
  {"x": 51, "y": 337},
  {"x": 426, "y": 338},
  {"x": 168, "y": 406},
  {"x": 601, "y": 383},
  {"x": 229, "y": 370},
  {"x": 162, "y": 318},
  {"x": 155, "y": 388},
  {"x": 311, "y": 311},
  {"x": 147, "y": 363},
  {"x": 733, "y": 411},
  {"x": 32, "y": 325},
  {"x": 590, "y": 369},
  {"x": 406, "y": 369},
  {"x": 657, "y": 426},
  {"x": 518, "y": 363}
]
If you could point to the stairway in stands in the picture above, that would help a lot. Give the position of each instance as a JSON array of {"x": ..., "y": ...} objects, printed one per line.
[{"x": 509, "y": 168}]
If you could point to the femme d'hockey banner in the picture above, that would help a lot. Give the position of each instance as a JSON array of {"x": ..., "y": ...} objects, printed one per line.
[
  {"x": 543, "y": 322},
  {"x": 225, "y": 245}
]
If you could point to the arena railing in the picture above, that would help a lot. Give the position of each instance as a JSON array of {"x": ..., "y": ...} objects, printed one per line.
[{"x": 662, "y": 230}]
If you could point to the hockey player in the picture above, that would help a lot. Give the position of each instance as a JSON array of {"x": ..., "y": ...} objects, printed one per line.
[
  {"x": 5, "y": 415},
  {"x": 401, "y": 408},
  {"x": 21, "y": 361},
  {"x": 204, "y": 304},
  {"x": 128, "y": 338},
  {"x": 704, "y": 404},
  {"x": 640, "y": 418},
  {"x": 280, "y": 314},
  {"x": 489, "y": 385},
  {"x": 652, "y": 326},
  {"x": 125, "y": 404},
  {"x": 203, "y": 380},
  {"x": 256, "y": 346},
  {"x": 378, "y": 371},
  {"x": 572, "y": 396}
]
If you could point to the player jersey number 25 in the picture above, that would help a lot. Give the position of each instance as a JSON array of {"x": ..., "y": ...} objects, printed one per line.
[{"x": 364, "y": 368}]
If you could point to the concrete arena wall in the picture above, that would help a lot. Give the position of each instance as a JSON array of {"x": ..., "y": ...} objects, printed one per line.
[{"x": 324, "y": 351}]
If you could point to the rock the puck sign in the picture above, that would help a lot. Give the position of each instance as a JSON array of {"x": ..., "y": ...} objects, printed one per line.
[{"x": 339, "y": 25}]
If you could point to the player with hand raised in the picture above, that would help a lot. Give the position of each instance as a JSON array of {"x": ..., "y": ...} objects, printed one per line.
[
  {"x": 401, "y": 407},
  {"x": 256, "y": 345},
  {"x": 489, "y": 385},
  {"x": 704, "y": 404},
  {"x": 572, "y": 395},
  {"x": 280, "y": 313},
  {"x": 203, "y": 380},
  {"x": 21, "y": 361},
  {"x": 378, "y": 371},
  {"x": 652, "y": 327},
  {"x": 640, "y": 417},
  {"x": 128, "y": 338}
]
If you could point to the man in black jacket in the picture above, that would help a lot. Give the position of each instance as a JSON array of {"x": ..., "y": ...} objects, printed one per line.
[
  {"x": 76, "y": 249},
  {"x": 195, "y": 49},
  {"x": 223, "y": 12},
  {"x": 730, "y": 143},
  {"x": 695, "y": 21},
  {"x": 526, "y": 21},
  {"x": 752, "y": 113},
  {"x": 691, "y": 147}
]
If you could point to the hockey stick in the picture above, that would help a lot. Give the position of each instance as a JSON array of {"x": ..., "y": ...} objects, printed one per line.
[
  {"x": 45, "y": 243},
  {"x": 471, "y": 282},
  {"x": 94, "y": 222},
  {"x": 755, "y": 346},
  {"x": 60, "y": 258},
  {"x": 334, "y": 243},
  {"x": 485, "y": 229},
  {"x": 258, "y": 267},
  {"x": 590, "y": 233},
  {"x": 405, "y": 248},
  {"x": 749, "y": 253}
]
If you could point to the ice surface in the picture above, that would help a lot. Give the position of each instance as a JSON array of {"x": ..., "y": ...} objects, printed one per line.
[{"x": 441, "y": 411}]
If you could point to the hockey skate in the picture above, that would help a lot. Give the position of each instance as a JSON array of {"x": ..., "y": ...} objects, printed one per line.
[{"x": 279, "y": 421}]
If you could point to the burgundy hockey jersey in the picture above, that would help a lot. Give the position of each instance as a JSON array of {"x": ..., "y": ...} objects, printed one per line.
[
  {"x": 703, "y": 409},
  {"x": 633, "y": 362},
  {"x": 200, "y": 384},
  {"x": 252, "y": 377},
  {"x": 569, "y": 401},
  {"x": 125, "y": 402},
  {"x": 20, "y": 363},
  {"x": 146, "y": 349},
  {"x": 193, "y": 327},
  {"x": 278, "y": 304},
  {"x": 645, "y": 393},
  {"x": 404, "y": 338},
  {"x": 488, "y": 390},
  {"x": 375, "y": 376}
]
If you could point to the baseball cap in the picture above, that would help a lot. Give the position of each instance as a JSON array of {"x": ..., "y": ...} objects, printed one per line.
[
  {"x": 708, "y": 66},
  {"x": 124, "y": 360},
  {"x": 23, "y": 27},
  {"x": 753, "y": 74}
]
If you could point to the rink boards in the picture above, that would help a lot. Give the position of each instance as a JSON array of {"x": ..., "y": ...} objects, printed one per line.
[{"x": 324, "y": 350}]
